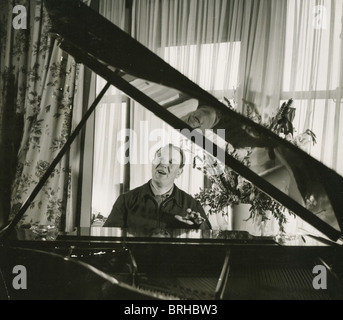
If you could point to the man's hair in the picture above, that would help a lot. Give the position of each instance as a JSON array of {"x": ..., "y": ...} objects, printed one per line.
[{"x": 182, "y": 153}]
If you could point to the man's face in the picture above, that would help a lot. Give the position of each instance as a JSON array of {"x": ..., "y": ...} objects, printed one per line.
[
  {"x": 166, "y": 166},
  {"x": 203, "y": 118}
]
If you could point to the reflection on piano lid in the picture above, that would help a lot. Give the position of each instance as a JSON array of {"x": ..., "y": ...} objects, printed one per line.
[
  {"x": 141, "y": 74},
  {"x": 160, "y": 94},
  {"x": 188, "y": 236},
  {"x": 176, "y": 236}
]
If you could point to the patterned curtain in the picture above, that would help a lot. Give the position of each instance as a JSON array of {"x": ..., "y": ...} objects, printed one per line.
[{"x": 43, "y": 78}]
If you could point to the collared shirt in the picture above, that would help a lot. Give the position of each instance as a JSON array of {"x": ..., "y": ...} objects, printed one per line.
[
  {"x": 160, "y": 197},
  {"x": 138, "y": 208}
]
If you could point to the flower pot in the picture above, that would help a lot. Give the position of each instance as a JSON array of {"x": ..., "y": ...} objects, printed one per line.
[
  {"x": 255, "y": 226},
  {"x": 221, "y": 220}
]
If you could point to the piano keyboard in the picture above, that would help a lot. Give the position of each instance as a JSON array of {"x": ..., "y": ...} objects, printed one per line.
[{"x": 180, "y": 288}]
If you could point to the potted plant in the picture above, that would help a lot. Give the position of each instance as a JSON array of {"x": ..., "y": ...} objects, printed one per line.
[{"x": 228, "y": 189}]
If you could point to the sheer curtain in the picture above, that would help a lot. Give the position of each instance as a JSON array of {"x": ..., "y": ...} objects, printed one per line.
[
  {"x": 313, "y": 74},
  {"x": 109, "y": 134},
  {"x": 313, "y": 77},
  {"x": 109, "y": 139},
  {"x": 297, "y": 53},
  {"x": 263, "y": 46}
]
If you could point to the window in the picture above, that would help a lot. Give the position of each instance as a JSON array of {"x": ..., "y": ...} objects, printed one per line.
[{"x": 313, "y": 75}]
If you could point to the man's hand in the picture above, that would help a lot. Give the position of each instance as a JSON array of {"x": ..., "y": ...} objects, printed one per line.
[{"x": 191, "y": 218}]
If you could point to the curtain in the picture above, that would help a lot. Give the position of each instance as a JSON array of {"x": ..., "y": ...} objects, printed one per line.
[
  {"x": 263, "y": 46},
  {"x": 11, "y": 102},
  {"x": 44, "y": 78},
  {"x": 313, "y": 77},
  {"x": 110, "y": 129},
  {"x": 293, "y": 49}
]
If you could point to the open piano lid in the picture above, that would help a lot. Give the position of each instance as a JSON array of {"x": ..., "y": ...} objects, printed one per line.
[{"x": 131, "y": 67}]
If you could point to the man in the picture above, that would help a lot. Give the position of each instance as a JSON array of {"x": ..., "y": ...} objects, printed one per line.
[
  {"x": 159, "y": 203},
  {"x": 239, "y": 136},
  {"x": 204, "y": 117}
]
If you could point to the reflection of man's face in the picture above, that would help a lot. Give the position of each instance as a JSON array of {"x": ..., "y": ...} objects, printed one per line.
[
  {"x": 166, "y": 166},
  {"x": 204, "y": 118}
]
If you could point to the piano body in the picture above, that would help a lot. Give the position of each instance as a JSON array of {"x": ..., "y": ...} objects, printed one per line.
[{"x": 116, "y": 263}]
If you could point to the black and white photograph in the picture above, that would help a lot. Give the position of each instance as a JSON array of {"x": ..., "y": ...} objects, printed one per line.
[{"x": 171, "y": 154}]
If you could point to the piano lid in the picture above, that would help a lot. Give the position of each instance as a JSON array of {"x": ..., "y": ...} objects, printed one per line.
[{"x": 142, "y": 75}]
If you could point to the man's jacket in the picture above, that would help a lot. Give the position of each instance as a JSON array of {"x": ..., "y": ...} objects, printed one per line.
[{"x": 139, "y": 209}]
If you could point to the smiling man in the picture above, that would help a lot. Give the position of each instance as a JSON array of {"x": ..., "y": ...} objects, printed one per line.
[
  {"x": 204, "y": 117},
  {"x": 159, "y": 203}
]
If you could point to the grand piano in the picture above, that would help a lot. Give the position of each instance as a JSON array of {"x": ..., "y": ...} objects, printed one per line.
[{"x": 178, "y": 264}]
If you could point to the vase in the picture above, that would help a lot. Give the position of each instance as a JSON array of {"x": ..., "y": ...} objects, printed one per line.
[
  {"x": 255, "y": 226},
  {"x": 221, "y": 220}
]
